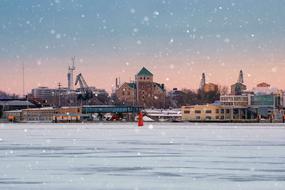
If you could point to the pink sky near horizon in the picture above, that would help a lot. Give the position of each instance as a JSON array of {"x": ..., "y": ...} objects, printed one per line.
[{"x": 180, "y": 72}]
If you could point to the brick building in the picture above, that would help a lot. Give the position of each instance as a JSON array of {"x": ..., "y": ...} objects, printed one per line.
[{"x": 143, "y": 91}]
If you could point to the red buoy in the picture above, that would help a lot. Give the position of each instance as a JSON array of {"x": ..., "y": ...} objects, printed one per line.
[{"x": 140, "y": 119}]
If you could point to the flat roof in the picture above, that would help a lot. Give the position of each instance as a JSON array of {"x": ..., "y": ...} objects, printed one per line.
[{"x": 16, "y": 103}]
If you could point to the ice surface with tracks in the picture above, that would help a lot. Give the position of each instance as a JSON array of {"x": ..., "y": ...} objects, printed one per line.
[{"x": 157, "y": 156}]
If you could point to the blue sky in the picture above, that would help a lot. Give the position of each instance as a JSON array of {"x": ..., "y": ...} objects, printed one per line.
[{"x": 216, "y": 32}]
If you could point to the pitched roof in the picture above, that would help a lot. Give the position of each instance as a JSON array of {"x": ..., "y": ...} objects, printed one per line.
[
  {"x": 144, "y": 72},
  {"x": 263, "y": 84},
  {"x": 132, "y": 85}
]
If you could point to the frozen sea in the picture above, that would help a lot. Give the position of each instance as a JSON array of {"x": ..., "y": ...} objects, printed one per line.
[{"x": 158, "y": 156}]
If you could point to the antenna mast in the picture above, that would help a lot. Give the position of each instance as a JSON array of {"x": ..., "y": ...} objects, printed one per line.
[{"x": 23, "y": 79}]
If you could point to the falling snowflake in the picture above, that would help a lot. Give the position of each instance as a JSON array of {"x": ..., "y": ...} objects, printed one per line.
[
  {"x": 227, "y": 40},
  {"x": 155, "y": 13},
  {"x": 133, "y": 11},
  {"x": 58, "y": 36}
]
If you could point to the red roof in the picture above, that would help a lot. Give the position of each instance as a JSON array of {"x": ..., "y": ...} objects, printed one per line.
[{"x": 263, "y": 84}]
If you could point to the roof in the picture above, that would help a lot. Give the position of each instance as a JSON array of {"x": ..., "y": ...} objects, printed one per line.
[
  {"x": 263, "y": 84},
  {"x": 132, "y": 85},
  {"x": 161, "y": 86},
  {"x": 40, "y": 109},
  {"x": 144, "y": 72},
  {"x": 238, "y": 84},
  {"x": 16, "y": 103}
]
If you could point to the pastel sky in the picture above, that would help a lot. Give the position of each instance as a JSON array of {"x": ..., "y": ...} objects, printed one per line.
[{"x": 176, "y": 40}]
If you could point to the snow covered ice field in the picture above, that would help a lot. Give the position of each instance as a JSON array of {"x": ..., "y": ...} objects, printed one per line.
[{"x": 157, "y": 156}]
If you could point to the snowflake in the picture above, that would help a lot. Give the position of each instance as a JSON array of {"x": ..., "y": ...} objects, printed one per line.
[
  {"x": 58, "y": 36},
  {"x": 146, "y": 19},
  {"x": 52, "y": 31},
  {"x": 155, "y": 13},
  {"x": 227, "y": 40},
  {"x": 133, "y": 11}
]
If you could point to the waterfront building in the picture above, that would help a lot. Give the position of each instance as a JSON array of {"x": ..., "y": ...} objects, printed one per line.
[
  {"x": 67, "y": 114},
  {"x": 236, "y": 100},
  {"x": 143, "y": 91},
  {"x": 38, "y": 114},
  {"x": 14, "y": 104},
  {"x": 239, "y": 106},
  {"x": 208, "y": 112},
  {"x": 13, "y": 116}
]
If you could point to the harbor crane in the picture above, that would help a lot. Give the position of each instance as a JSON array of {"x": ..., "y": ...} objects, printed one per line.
[{"x": 85, "y": 92}]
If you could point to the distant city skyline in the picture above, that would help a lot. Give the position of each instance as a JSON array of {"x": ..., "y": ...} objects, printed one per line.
[{"x": 177, "y": 40}]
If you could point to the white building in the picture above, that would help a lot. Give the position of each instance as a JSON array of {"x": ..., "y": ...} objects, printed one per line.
[{"x": 42, "y": 93}]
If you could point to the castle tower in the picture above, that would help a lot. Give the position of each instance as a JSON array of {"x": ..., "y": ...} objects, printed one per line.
[
  {"x": 145, "y": 88},
  {"x": 144, "y": 76}
]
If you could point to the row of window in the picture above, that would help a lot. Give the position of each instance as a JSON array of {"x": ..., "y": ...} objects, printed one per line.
[
  {"x": 128, "y": 93},
  {"x": 144, "y": 78},
  {"x": 210, "y": 118},
  {"x": 208, "y": 111}
]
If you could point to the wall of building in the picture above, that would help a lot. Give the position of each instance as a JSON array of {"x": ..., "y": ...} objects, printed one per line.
[
  {"x": 235, "y": 100},
  {"x": 126, "y": 94},
  {"x": 205, "y": 113},
  {"x": 38, "y": 114}
]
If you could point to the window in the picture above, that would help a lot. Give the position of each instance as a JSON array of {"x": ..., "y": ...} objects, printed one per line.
[
  {"x": 187, "y": 112},
  {"x": 217, "y": 111},
  {"x": 208, "y": 111},
  {"x": 217, "y": 117},
  {"x": 198, "y": 111},
  {"x": 222, "y": 117},
  {"x": 198, "y": 117},
  {"x": 227, "y": 111},
  {"x": 208, "y": 117},
  {"x": 222, "y": 111}
]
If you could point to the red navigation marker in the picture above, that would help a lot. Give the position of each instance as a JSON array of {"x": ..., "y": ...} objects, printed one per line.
[{"x": 140, "y": 119}]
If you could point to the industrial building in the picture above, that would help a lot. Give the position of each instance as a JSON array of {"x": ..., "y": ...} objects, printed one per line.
[
  {"x": 38, "y": 114},
  {"x": 14, "y": 104},
  {"x": 42, "y": 93}
]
